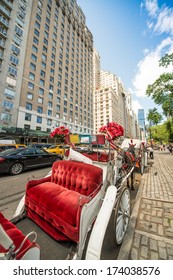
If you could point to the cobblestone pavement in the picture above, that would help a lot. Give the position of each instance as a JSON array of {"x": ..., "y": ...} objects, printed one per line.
[{"x": 150, "y": 232}]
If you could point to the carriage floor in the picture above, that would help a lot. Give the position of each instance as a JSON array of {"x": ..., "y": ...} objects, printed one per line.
[{"x": 50, "y": 249}]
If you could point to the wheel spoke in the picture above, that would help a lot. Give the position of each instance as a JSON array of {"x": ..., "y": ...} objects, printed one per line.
[
  {"x": 122, "y": 215},
  {"x": 119, "y": 228}
]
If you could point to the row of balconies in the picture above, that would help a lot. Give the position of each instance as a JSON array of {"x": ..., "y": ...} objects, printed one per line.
[{"x": 9, "y": 3}]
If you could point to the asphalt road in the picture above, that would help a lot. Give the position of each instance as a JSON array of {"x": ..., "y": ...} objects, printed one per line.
[{"x": 12, "y": 189}]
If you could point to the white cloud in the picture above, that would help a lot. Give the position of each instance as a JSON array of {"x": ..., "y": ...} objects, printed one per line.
[
  {"x": 136, "y": 105},
  {"x": 161, "y": 19},
  {"x": 152, "y": 7},
  {"x": 164, "y": 22},
  {"x": 148, "y": 69}
]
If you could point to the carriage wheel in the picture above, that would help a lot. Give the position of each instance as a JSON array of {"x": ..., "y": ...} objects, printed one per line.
[{"x": 122, "y": 215}]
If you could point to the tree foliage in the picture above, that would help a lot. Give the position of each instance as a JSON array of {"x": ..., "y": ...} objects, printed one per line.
[
  {"x": 166, "y": 60},
  {"x": 162, "y": 133},
  {"x": 161, "y": 91},
  {"x": 154, "y": 117}
]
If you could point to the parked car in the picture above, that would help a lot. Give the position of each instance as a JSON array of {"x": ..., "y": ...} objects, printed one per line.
[
  {"x": 4, "y": 147},
  {"x": 16, "y": 161},
  {"x": 40, "y": 145},
  {"x": 58, "y": 149}
]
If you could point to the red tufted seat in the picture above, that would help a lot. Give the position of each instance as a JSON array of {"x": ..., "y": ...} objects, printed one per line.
[
  {"x": 99, "y": 156},
  {"x": 55, "y": 202},
  {"x": 17, "y": 237}
]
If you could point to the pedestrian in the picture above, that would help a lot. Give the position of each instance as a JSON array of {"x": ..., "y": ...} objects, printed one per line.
[{"x": 170, "y": 149}]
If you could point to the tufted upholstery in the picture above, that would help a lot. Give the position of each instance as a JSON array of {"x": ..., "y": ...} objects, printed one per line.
[
  {"x": 99, "y": 156},
  {"x": 17, "y": 236},
  {"x": 55, "y": 202}
]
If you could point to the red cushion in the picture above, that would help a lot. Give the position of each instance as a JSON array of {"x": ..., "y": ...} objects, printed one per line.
[
  {"x": 78, "y": 176},
  {"x": 16, "y": 235},
  {"x": 99, "y": 156},
  {"x": 56, "y": 206}
]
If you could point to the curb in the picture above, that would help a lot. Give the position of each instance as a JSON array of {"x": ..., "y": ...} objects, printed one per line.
[{"x": 124, "y": 253}]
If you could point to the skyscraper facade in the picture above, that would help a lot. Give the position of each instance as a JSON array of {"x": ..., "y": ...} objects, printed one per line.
[
  {"x": 47, "y": 76},
  {"x": 141, "y": 122}
]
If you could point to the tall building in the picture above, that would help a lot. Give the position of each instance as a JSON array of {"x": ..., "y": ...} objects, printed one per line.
[
  {"x": 141, "y": 121},
  {"x": 14, "y": 24},
  {"x": 105, "y": 107},
  {"x": 46, "y": 62},
  {"x": 96, "y": 70}
]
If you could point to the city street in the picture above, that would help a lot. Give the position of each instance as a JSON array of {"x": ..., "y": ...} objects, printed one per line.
[{"x": 12, "y": 189}]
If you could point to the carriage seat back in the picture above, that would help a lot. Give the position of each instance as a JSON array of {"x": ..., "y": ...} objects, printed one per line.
[{"x": 77, "y": 176}]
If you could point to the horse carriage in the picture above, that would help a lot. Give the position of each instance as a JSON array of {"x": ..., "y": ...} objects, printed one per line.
[{"x": 68, "y": 211}]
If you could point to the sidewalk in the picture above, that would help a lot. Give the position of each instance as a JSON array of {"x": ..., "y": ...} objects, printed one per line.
[{"x": 150, "y": 231}]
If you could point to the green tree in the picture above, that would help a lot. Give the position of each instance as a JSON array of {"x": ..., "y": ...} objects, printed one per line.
[
  {"x": 160, "y": 133},
  {"x": 161, "y": 91},
  {"x": 166, "y": 60},
  {"x": 154, "y": 117}
]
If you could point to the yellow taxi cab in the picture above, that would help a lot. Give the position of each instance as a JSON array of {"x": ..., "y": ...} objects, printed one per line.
[
  {"x": 58, "y": 149},
  {"x": 4, "y": 147}
]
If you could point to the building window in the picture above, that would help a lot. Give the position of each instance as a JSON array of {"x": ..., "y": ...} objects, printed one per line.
[
  {"x": 50, "y": 95},
  {"x": 41, "y": 82},
  {"x": 32, "y": 66},
  {"x": 14, "y": 60},
  {"x": 33, "y": 57},
  {"x": 40, "y": 100},
  {"x": 41, "y": 91},
  {"x": 31, "y": 76},
  {"x": 36, "y": 32},
  {"x": 45, "y": 41},
  {"x": 28, "y": 106},
  {"x": 30, "y": 85},
  {"x": 28, "y": 117},
  {"x": 18, "y": 31},
  {"x": 43, "y": 64},
  {"x": 49, "y": 112},
  {"x": 38, "y": 17},
  {"x": 12, "y": 71},
  {"x": 30, "y": 95},
  {"x": 27, "y": 126},
  {"x": 44, "y": 57},
  {"x": 37, "y": 25},
  {"x": 6, "y": 117},
  {"x": 58, "y": 107},
  {"x": 49, "y": 122},
  {"x": 40, "y": 110},
  {"x": 42, "y": 73},
  {"x": 39, "y": 119},
  {"x": 34, "y": 48},
  {"x": 7, "y": 104},
  {"x": 50, "y": 104},
  {"x": 9, "y": 93}
]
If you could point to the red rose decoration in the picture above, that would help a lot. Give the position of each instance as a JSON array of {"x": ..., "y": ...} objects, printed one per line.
[
  {"x": 112, "y": 130},
  {"x": 62, "y": 130}
]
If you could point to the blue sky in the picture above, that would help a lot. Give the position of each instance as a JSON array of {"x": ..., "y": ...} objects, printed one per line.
[{"x": 131, "y": 36}]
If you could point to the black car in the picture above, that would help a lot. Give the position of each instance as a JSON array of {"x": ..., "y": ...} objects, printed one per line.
[
  {"x": 14, "y": 161},
  {"x": 40, "y": 145}
]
